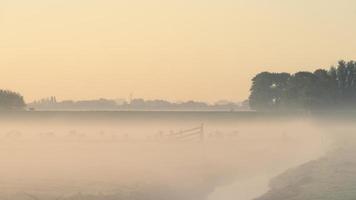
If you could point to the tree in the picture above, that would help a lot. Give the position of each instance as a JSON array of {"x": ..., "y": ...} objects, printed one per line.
[
  {"x": 325, "y": 89},
  {"x": 11, "y": 100},
  {"x": 333, "y": 89},
  {"x": 301, "y": 91},
  {"x": 350, "y": 83},
  {"x": 341, "y": 77},
  {"x": 267, "y": 90}
]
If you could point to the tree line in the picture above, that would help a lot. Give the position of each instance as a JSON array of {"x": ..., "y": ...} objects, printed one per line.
[
  {"x": 10, "y": 100},
  {"x": 135, "y": 104},
  {"x": 319, "y": 90}
]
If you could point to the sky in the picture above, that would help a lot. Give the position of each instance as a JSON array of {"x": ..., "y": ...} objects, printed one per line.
[{"x": 166, "y": 49}]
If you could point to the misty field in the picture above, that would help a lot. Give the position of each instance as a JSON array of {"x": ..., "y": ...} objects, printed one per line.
[{"x": 149, "y": 156}]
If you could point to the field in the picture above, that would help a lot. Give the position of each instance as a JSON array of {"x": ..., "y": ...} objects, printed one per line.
[{"x": 149, "y": 155}]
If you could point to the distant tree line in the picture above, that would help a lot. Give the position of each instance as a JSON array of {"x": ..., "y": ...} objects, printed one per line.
[
  {"x": 319, "y": 90},
  {"x": 135, "y": 104},
  {"x": 11, "y": 100}
]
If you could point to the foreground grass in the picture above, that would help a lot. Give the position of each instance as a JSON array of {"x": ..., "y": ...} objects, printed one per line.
[{"x": 332, "y": 177}]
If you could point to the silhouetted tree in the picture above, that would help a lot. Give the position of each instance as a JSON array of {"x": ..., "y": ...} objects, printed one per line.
[
  {"x": 350, "y": 82},
  {"x": 341, "y": 78},
  {"x": 326, "y": 89},
  {"x": 267, "y": 90},
  {"x": 11, "y": 100},
  {"x": 322, "y": 89},
  {"x": 301, "y": 92}
]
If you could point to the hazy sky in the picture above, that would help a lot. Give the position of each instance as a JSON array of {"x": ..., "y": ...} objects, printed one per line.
[{"x": 171, "y": 49}]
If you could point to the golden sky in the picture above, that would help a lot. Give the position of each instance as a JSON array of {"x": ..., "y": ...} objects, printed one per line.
[{"x": 167, "y": 49}]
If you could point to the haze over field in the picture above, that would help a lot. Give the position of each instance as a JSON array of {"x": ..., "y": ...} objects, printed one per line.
[{"x": 111, "y": 157}]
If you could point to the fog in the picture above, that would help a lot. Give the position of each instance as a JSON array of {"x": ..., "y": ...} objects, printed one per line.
[{"x": 151, "y": 157}]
